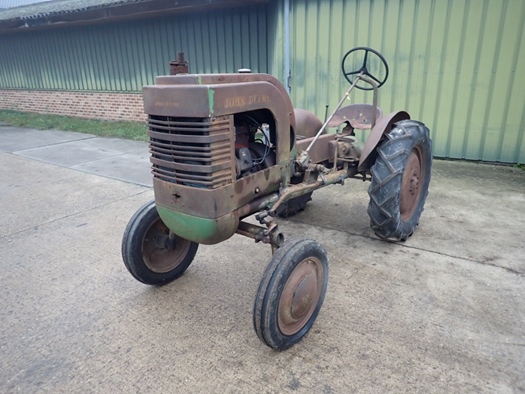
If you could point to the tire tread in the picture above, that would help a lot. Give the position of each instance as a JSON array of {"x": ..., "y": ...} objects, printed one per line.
[{"x": 387, "y": 172}]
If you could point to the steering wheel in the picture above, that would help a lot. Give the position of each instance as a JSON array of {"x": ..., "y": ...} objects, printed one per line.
[{"x": 367, "y": 61}]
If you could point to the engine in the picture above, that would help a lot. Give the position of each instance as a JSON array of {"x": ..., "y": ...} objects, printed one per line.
[{"x": 254, "y": 150}]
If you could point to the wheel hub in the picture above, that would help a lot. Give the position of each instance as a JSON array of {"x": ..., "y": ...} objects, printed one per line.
[
  {"x": 300, "y": 296},
  {"x": 412, "y": 178},
  {"x": 160, "y": 252},
  {"x": 414, "y": 185},
  {"x": 302, "y": 299}
]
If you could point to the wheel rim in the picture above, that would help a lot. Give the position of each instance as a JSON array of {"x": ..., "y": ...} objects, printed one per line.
[
  {"x": 413, "y": 178},
  {"x": 300, "y": 296},
  {"x": 157, "y": 256}
]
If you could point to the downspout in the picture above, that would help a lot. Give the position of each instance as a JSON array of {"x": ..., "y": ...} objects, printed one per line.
[{"x": 287, "y": 70}]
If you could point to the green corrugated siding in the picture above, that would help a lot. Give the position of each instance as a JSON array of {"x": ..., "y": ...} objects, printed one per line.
[
  {"x": 457, "y": 65},
  {"x": 125, "y": 56},
  {"x": 276, "y": 40}
]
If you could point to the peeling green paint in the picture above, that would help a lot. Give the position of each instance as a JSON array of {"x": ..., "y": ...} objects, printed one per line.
[
  {"x": 198, "y": 229},
  {"x": 187, "y": 226}
]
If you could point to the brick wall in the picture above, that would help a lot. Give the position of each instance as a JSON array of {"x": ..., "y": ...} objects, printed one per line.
[{"x": 93, "y": 105}]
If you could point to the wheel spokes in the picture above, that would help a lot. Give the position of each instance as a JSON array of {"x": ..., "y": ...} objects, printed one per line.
[
  {"x": 373, "y": 77},
  {"x": 364, "y": 62},
  {"x": 363, "y": 68}
]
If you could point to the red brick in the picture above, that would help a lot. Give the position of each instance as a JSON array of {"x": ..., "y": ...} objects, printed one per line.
[{"x": 96, "y": 105}]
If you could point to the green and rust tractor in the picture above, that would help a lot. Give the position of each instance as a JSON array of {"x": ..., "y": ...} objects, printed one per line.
[{"x": 228, "y": 146}]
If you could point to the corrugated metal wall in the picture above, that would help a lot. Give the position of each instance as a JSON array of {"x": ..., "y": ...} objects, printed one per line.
[
  {"x": 457, "y": 65},
  {"x": 125, "y": 56},
  {"x": 276, "y": 40}
]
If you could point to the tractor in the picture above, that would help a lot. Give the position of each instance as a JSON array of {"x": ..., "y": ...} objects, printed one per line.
[{"x": 225, "y": 147}]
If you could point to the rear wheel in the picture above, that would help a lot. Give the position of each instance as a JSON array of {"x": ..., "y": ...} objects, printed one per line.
[
  {"x": 291, "y": 293},
  {"x": 151, "y": 253},
  {"x": 400, "y": 180}
]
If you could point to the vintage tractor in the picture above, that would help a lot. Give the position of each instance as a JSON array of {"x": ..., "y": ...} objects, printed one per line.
[{"x": 228, "y": 146}]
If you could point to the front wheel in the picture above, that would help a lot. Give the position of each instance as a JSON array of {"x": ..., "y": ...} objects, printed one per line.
[
  {"x": 151, "y": 253},
  {"x": 400, "y": 180},
  {"x": 291, "y": 293}
]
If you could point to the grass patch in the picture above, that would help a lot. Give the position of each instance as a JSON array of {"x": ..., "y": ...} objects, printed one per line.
[
  {"x": 520, "y": 166},
  {"x": 104, "y": 128}
]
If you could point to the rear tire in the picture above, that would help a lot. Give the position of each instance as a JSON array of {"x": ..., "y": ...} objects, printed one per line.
[
  {"x": 149, "y": 254},
  {"x": 400, "y": 180}
]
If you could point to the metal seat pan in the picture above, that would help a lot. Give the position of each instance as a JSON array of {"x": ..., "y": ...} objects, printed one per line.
[{"x": 358, "y": 115}]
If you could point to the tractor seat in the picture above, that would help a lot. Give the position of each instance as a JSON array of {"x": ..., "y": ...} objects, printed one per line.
[{"x": 358, "y": 115}]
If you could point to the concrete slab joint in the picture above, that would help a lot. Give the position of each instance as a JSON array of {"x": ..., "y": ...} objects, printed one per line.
[{"x": 442, "y": 312}]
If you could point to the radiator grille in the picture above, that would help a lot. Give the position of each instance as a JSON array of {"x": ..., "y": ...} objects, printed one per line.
[{"x": 192, "y": 152}]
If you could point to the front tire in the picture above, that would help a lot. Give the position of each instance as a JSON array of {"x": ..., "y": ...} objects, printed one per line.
[
  {"x": 150, "y": 254},
  {"x": 400, "y": 180},
  {"x": 291, "y": 293}
]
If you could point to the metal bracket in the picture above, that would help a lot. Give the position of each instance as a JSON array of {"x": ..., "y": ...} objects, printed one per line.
[{"x": 267, "y": 235}]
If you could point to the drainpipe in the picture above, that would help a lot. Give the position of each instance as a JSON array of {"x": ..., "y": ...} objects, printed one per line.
[{"x": 287, "y": 70}]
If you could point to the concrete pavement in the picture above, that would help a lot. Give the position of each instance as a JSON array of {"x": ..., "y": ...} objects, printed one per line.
[
  {"x": 443, "y": 312},
  {"x": 109, "y": 157}
]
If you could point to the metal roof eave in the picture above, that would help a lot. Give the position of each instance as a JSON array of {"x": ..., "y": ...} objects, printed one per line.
[{"x": 125, "y": 10}]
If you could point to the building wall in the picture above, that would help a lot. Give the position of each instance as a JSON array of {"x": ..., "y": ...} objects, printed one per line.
[
  {"x": 124, "y": 56},
  {"x": 94, "y": 105},
  {"x": 456, "y": 65}
]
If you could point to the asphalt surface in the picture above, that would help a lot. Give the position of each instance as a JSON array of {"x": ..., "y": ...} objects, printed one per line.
[{"x": 443, "y": 312}]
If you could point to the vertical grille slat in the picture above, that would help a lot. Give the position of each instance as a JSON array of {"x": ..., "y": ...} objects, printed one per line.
[{"x": 191, "y": 152}]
